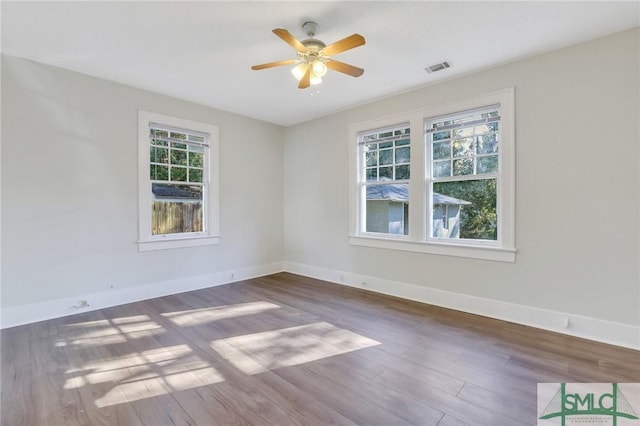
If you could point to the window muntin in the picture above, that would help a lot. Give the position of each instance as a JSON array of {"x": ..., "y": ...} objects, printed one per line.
[
  {"x": 384, "y": 163},
  {"x": 463, "y": 166}
]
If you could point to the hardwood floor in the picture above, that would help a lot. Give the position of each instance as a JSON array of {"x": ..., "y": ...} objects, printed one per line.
[{"x": 289, "y": 350}]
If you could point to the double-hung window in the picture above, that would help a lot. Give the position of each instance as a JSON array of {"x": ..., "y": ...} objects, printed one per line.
[
  {"x": 384, "y": 180},
  {"x": 463, "y": 154},
  {"x": 178, "y": 190},
  {"x": 447, "y": 171}
]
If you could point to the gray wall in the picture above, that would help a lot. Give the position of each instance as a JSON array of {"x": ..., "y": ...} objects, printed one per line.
[
  {"x": 69, "y": 187},
  {"x": 577, "y": 141}
]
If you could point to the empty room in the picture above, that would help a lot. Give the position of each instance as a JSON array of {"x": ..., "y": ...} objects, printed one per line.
[{"x": 314, "y": 213}]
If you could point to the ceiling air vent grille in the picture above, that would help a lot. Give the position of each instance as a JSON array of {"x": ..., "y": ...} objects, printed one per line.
[{"x": 438, "y": 67}]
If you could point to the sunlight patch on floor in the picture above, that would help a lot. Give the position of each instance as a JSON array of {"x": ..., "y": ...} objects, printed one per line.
[
  {"x": 145, "y": 374},
  {"x": 261, "y": 352},
  {"x": 110, "y": 331},
  {"x": 195, "y": 317}
]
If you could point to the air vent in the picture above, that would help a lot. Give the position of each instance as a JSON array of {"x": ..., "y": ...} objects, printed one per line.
[{"x": 438, "y": 67}]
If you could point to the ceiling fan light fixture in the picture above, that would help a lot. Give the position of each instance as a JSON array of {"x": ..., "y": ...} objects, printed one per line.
[
  {"x": 315, "y": 79},
  {"x": 299, "y": 70},
  {"x": 319, "y": 68}
]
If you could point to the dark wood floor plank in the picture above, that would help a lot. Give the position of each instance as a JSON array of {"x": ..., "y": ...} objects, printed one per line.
[
  {"x": 514, "y": 407},
  {"x": 289, "y": 350},
  {"x": 340, "y": 370},
  {"x": 341, "y": 398},
  {"x": 459, "y": 408}
]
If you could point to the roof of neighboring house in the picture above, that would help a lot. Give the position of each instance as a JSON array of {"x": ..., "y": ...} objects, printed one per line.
[
  {"x": 400, "y": 194},
  {"x": 176, "y": 191}
]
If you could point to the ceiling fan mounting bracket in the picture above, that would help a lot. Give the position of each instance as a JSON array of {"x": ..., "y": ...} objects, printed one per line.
[{"x": 310, "y": 28}]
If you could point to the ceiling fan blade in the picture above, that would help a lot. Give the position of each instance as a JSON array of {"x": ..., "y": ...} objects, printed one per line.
[
  {"x": 344, "y": 68},
  {"x": 274, "y": 64},
  {"x": 289, "y": 38},
  {"x": 305, "y": 81},
  {"x": 354, "y": 40}
]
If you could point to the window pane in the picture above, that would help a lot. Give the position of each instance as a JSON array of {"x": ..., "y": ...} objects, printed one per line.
[
  {"x": 158, "y": 142},
  {"x": 372, "y": 158},
  {"x": 196, "y": 138},
  {"x": 465, "y": 209},
  {"x": 386, "y": 144},
  {"x": 178, "y": 145},
  {"x": 403, "y": 155},
  {"x": 387, "y": 209},
  {"x": 372, "y": 174},
  {"x": 159, "y": 172},
  {"x": 161, "y": 133},
  {"x": 195, "y": 175},
  {"x": 386, "y": 172},
  {"x": 463, "y": 147},
  {"x": 402, "y": 142},
  {"x": 178, "y": 135},
  {"x": 488, "y": 144},
  {"x": 179, "y": 174},
  {"x": 463, "y": 132},
  {"x": 178, "y": 157},
  {"x": 463, "y": 166},
  {"x": 159, "y": 155},
  {"x": 386, "y": 156},
  {"x": 402, "y": 172},
  {"x": 195, "y": 159},
  {"x": 176, "y": 209},
  {"x": 441, "y": 150},
  {"x": 438, "y": 136},
  {"x": 488, "y": 164},
  {"x": 441, "y": 168}
]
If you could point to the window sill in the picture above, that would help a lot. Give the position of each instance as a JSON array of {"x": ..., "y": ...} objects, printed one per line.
[
  {"x": 171, "y": 243},
  {"x": 473, "y": 252}
]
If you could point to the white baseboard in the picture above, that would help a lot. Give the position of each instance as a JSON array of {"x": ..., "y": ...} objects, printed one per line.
[
  {"x": 613, "y": 333},
  {"x": 27, "y": 314},
  {"x": 618, "y": 334}
]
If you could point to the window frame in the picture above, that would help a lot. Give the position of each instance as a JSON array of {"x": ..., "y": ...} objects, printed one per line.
[
  {"x": 211, "y": 233},
  {"x": 419, "y": 239}
]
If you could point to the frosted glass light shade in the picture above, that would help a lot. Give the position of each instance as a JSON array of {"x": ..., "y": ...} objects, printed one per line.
[
  {"x": 299, "y": 70},
  {"x": 319, "y": 68}
]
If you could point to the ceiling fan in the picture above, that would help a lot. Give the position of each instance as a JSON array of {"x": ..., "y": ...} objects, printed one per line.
[{"x": 314, "y": 57}]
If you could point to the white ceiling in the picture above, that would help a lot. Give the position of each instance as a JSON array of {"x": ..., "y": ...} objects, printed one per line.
[{"x": 203, "y": 51}]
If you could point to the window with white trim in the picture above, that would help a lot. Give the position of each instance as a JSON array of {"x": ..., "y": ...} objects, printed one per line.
[
  {"x": 384, "y": 180},
  {"x": 178, "y": 182},
  {"x": 457, "y": 187}
]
